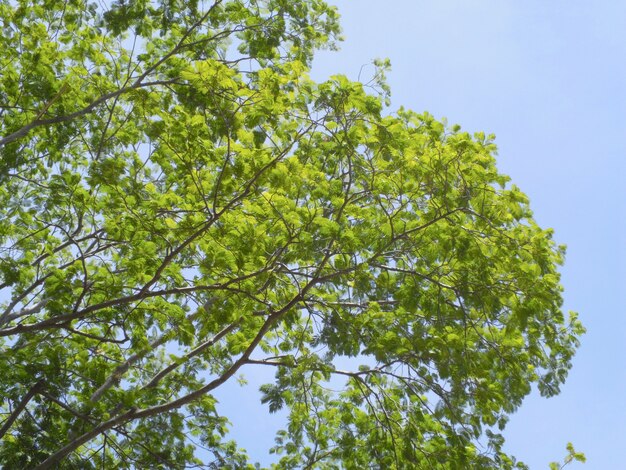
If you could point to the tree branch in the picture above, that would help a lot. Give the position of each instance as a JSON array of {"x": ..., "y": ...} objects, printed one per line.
[
  {"x": 199, "y": 349},
  {"x": 82, "y": 112},
  {"x": 20, "y": 407}
]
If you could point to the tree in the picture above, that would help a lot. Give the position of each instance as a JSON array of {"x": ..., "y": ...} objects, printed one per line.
[{"x": 181, "y": 202}]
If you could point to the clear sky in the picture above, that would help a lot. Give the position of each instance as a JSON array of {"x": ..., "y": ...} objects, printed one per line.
[{"x": 549, "y": 79}]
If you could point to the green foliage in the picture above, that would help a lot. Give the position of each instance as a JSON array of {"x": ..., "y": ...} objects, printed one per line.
[
  {"x": 181, "y": 202},
  {"x": 572, "y": 456}
]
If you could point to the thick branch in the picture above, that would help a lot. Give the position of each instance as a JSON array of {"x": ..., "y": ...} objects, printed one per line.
[
  {"x": 202, "y": 347},
  {"x": 120, "y": 370},
  {"x": 82, "y": 112},
  {"x": 61, "y": 453},
  {"x": 20, "y": 407},
  {"x": 6, "y": 316}
]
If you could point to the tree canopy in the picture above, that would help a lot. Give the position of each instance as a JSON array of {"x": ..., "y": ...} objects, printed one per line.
[{"x": 181, "y": 203}]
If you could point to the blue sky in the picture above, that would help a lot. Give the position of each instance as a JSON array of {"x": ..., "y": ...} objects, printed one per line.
[{"x": 549, "y": 79}]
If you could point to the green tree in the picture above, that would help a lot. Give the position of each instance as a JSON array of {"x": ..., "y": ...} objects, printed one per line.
[{"x": 180, "y": 202}]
